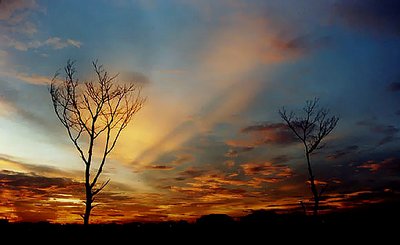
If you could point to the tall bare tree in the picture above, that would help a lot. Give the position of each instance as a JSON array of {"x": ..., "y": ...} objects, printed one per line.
[
  {"x": 94, "y": 114},
  {"x": 311, "y": 128}
]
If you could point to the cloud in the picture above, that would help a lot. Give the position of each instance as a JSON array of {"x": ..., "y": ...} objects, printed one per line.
[
  {"x": 379, "y": 16},
  {"x": 11, "y": 163},
  {"x": 242, "y": 143},
  {"x": 231, "y": 153},
  {"x": 237, "y": 149},
  {"x": 58, "y": 43},
  {"x": 271, "y": 133},
  {"x": 343, "y": 152},
  {"x": 212, "y": 188},
  {"x": 243, "y": 42},
  {"x": 389, "y": 164},
  {"x": 3, "y": 56},
  {"x": 389, "y": 132},
  {"x": 32, "y": 78},
  {"x": 28, "y": 28},
  {"x": 179, "y": 159},
  {"x": 229, "y": 163},
  {"x": 8, "y": 41},
  {"x": 9, "y": 103},
  {"x": 134, "y": 77},
  {"x": 17, "y": 26},
  {"x": 280, "y": 159},
  {"x": 182, "y": 158},
  {"x": 214, "y": 185},
  {"x": 159, "y": 167},
  {"x": 172, "y": 71},
  {"x": 33, "y": 198},
  {"x": 359, "y": 198},
  {"x": 239, "y": 43},
  {"x": 9, "y": 8},
  {"x": 7, "y": 99},
  {"x": 261, "y": 134},
  {"x": 36, "y": 193},
  {"x": 394, "y": 86},
  {"x": 32, "y": 181},
  {"x": 52, "y": 42},
  {"x": 74, "y": 43},
  {"x": 17, "y": 31},
  {"x": 267, "y": 169},
  {"x": 285, "y": 49},
  {"x": 207, "y": 188},
  {"x": 370, "y": 165},
  {"x": 190, "y": 173},
  {"x": 193, "y": 119}
]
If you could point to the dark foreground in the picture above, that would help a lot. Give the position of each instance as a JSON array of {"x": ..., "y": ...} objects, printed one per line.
[{"x": 379, "y": 224}]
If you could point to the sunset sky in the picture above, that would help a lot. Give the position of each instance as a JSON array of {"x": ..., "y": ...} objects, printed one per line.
[{"x": 209, "y": 138}]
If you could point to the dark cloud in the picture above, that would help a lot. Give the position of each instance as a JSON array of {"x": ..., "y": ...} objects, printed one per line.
[
  {"x": 389, "y": 132},
  {"x": 245, "y": 148},
  {"x": 262, "y": 127},
  {"x": 32, "y": 181},
  {"x": 374, "y": 15},
  {"x": 280, "y": 159},
  {"x": 159, "y": 167},
  {"x": 179, "y": 159},
  {"x": 274, "y": 133},
  {"x": 394, "y": 86},
  {"x": 343, "y": 152},
  {"x": 362, "y": 198}
]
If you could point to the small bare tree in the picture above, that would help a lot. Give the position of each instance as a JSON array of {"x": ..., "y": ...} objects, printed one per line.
[
  {"x": 94, "y": 114},
  {"x": 311, "y": 128}
]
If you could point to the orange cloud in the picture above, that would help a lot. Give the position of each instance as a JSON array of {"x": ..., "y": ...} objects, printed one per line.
[
  {"x": 375, "y": 166},
  {"x": 267, "y": 169},
  {"x": 35, "y": 198},
  {"x": 372, "y": 166}
]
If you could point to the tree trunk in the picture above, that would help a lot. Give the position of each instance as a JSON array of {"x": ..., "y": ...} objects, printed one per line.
[
  {"x": 88, "y": 205},
  {"x": 315, "y": 194},
  {"x": 89, "y": 196},
  {"x": 312, "y": 185}
]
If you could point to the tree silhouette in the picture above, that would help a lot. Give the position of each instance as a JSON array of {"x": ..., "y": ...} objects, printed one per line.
[
  {"x": 311, "y": 128},
  {"x": 94, "y": 114}
]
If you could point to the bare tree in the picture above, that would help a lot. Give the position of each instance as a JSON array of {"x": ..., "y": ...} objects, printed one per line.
[
  {"x": 94, "y": 114},
  {"x": 311, "y": 128}
]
